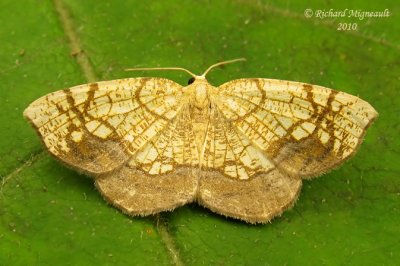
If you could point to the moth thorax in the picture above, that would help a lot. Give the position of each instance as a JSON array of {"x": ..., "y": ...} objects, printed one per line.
[{"x": 201, "y": 96}]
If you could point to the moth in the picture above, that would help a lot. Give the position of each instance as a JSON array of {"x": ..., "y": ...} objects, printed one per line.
[{"x": 241, "y": 149}]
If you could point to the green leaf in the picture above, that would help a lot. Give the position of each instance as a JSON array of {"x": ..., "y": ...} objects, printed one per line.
[{"x": 52, "y": 215}]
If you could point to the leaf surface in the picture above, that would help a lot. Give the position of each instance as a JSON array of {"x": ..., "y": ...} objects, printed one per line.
[{"x": 52, "y": 215}]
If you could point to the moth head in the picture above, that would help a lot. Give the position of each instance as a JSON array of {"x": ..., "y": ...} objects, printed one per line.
[{"x": 198, "y": 91}]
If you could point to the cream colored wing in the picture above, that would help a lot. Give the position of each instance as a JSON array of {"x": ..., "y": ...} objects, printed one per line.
[
  {"x": 161, "y": 176},
  {"x": 304, "y": 129},
  {"x": 173, "y": 147},
  {"x": 230, "y": 152},
  {"x": 97, "y": 127},
  {"x": 237, "y": 178}
]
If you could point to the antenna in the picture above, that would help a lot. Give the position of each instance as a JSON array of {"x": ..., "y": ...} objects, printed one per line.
[
  {"x": 222, "y": 63},
  {"x": 161, "y": 68},
  {"x": 187, "y": 71}
]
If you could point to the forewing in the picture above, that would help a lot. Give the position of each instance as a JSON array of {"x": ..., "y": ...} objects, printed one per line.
[
  {"x": 97, "y": 127},
  {"x": 304, "y": 129}
]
